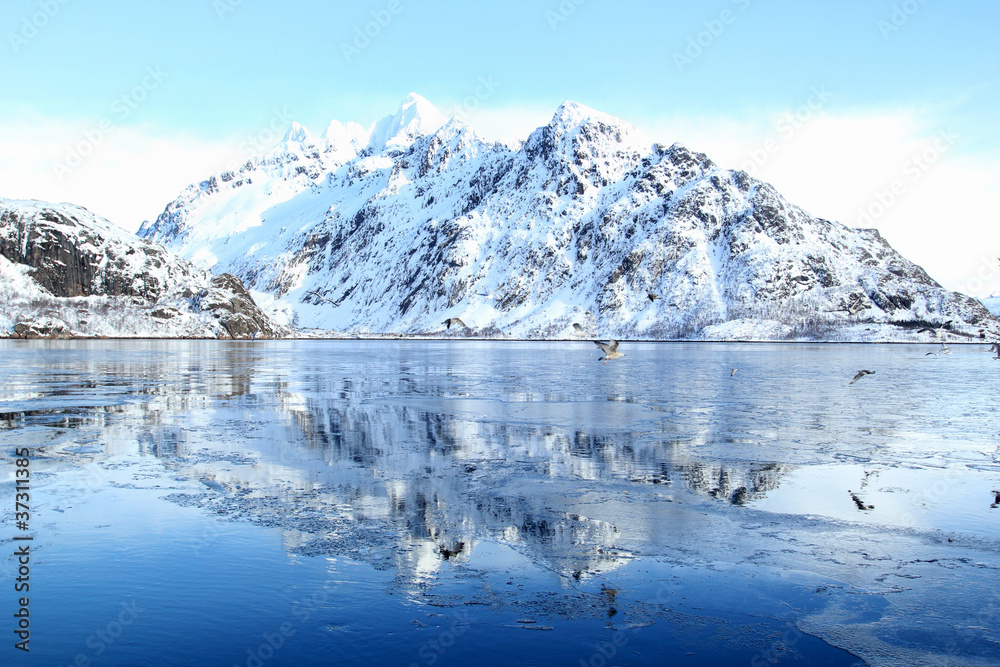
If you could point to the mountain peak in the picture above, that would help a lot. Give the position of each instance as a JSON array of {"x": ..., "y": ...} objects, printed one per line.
[
  {"x": 298, "y": 134},
  {"x": 571, "y": 115},
  {"x": 415, "y": 118},
  {"x": 573, "y": 118},
  {"x": 344, "y": 139}
]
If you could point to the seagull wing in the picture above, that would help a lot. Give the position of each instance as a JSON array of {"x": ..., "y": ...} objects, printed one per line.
[
  {"x": 336, "y": 303},
  {"x": 607, "y": 348},
  {"x": 860, "y": 375}
]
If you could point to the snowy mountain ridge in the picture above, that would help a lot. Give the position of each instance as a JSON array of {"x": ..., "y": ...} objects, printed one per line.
[
  {"x": 65, "y": 272},
  {"x": 419, "y": 220}
]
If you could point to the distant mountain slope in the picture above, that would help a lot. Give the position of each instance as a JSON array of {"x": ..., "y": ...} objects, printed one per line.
[
  {"x": 67, "y": 272},
  {"x": 419, "y": 219},
  {"x": 992, "y": 302}
]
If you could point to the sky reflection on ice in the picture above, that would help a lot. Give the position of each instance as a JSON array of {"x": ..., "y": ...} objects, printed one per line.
[{"x": 520, "y": 477}]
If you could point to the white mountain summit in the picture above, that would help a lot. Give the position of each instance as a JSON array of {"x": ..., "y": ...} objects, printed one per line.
[{"x": 407, "y": 224}]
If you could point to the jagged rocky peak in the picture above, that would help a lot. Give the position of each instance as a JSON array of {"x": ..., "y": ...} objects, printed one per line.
[
  {"x": 344, "y": 138},
  {"x": 298, "y": 134},
  {"x": 415, "y": 118},
  {"x": 598, "y": 147},
  {"x": 453, "y": 143}
]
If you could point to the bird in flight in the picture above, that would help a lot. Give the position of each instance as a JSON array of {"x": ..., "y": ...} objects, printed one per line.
[
  {"x": 734, "y": 372},
  {"x": 861, "y": 374},
  {"x": 610, "y": 350},
  {"x": 939, "y": 332},
  {"x": 995, "y": 348},
  {"x": 652, "y": 296},
  {"x": 577, "y": 329},
  {"x": 454, "y": 320},
  {"x": 944, "y": 350},
  {"x": 336, "y": 303}
]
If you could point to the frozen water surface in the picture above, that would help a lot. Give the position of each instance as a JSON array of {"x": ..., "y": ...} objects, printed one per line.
[{"x": 457, "y": 503}]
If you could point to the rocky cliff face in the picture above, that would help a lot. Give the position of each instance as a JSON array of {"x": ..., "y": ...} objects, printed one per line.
[
  {"x": 585, "y": 222},
  {"x": 68, "y": 272}
]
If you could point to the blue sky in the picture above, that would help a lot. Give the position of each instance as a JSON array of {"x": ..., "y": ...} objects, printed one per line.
[{"x": 867, "y": 112}]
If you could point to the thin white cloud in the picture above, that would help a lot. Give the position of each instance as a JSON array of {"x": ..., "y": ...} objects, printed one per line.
[{"x": 125, "y": 174}]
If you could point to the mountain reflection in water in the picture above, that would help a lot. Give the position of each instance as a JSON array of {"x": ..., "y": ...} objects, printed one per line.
[{"x": 406, "y": 455}]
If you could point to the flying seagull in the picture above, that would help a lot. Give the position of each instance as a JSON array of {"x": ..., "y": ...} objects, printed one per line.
[
  {"x": 652, "y": 296},
  {"x": 336, "y": 303},
  {"x": 939, "y": 332},
  {"x": 610, "y": 350},
  {"x": 944, "y": 350},
  {"x": 454, "y": 320},
  {"x": 851, "y": 309},
  {"x": 734, "y": 372},
  {"x": 577, "y": 329},
  {"x": 861, "y": 374},
  {"x": 995, "y": 348}
]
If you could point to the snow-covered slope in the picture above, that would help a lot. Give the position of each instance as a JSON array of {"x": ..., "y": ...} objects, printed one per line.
[
  {"x": 992, "y": 302},
  {"x": 66, "y": 272},
  {"x": 420, "y": 219}
]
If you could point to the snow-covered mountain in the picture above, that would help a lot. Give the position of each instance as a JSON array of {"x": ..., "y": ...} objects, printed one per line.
[
  {"x": 66, "y": 272},
  {"x": 992, "y": 302},
  {"x": 419, "y": 219}
]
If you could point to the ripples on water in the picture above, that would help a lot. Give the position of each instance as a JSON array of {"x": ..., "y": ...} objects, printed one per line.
[{"x": 384, "y": 499}]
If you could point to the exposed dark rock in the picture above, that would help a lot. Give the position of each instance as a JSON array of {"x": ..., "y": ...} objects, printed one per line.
[
  {"x": 47, "y": 327},
  {"x": 234, "y": 308},
  {"x": 75, "y": 257}
]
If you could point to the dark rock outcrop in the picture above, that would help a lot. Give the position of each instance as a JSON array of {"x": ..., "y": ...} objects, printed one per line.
[
  {"x": 89, "y": 272},
  {"x": 46, "y": 327}
]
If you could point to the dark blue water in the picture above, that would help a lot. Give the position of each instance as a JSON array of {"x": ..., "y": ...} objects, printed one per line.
[{"x": 455, "y": 503}]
